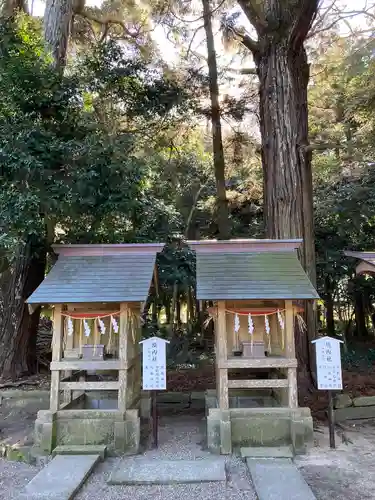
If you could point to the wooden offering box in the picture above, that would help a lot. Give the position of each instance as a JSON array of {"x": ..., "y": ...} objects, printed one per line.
[{"x": 257, "y": 350}]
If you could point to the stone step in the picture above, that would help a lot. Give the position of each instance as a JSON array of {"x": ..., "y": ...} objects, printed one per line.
[
  {"x": 278, "y": 479},
  {"x": 267, "y": 452},
  {"x": 61, "y": 478},
  {"x": 147, "y": 471},
  {"x": 78, "y": 449}
]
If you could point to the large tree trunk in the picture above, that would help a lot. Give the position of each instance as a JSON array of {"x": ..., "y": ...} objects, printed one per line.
[
  {"x": 57, "y": 22},
  {"x": 11, "y": 7},
  {"x": 329, "y": 304},
  {"x": 18, "y": 329},
  {"x": 360, "y": 313},
  {"x": 217, "y": 140},
  {"x": 284, "y": 74},
  {"x": 283, "y": 71}
]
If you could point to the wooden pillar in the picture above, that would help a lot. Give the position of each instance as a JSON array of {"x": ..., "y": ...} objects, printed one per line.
[
  {"x": 68, "y": 373},
  {"x": 290, "y": 352},
  {"x": 276, "y": 341},
  {"x": 123, "y": 356},
  {"x": 222, "y": 356},
  {"x": 57, "y": 339}
]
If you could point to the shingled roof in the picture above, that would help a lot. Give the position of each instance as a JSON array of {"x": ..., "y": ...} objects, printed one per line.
[
  {"x": 367, "y": 264},
  {"x": 251, "y": 269},
  {"x": 98, "y": 273}
]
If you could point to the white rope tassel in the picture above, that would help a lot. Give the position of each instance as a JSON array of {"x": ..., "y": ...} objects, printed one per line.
[
  {"x": 251, "y": 329},
  {"x": 114, "y": 324},
  {"x": 282, "y": 327},
  {"x": 268, "y": 330},
  {"x": 101, "y": 326},
  {"x": 236, "y": 323},
  {"x": 86, "y": 327},
  {"x": 70, "y": 327},
  {"x": 237, "y": 326},
  {"x": 110, "y": 338}
]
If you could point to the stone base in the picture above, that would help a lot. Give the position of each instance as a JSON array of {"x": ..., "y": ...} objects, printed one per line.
[
  {"x": 241, "y": 427},
  {"x": 118, "y": 431}
]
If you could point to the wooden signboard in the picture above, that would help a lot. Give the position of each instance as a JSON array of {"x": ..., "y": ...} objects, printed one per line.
[
  {"x": 329, "y": 374},
  {"x": 154, "y": 373}
]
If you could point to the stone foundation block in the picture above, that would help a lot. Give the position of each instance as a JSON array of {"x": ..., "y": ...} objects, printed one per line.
[
  {"x": 302, "y": 434},
  {"x": 342, "y": 401},
  {"x": 225, "y": 434},
  {"x": 364, "y": 401},
  {"x": 213, "y": 434},
  {"x": 145, "y": 406}
]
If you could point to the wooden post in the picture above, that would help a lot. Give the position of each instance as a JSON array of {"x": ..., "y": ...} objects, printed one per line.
[
  {"x": 292, "y": 388},
  {"x": 57, "y": 338},
  {"x": 331, "y": 421},
  {"x": 290, "y": 352},
  {"x": 69, "y": 344},
  {"x": 221, "y": 356},
  {"x": 123, "y": 356}
]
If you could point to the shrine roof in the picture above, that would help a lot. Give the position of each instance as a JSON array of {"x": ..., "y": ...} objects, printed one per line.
[
  {"x": 252, "y": 274},
  {"x": 367, "y": 264},
  {"x": 98, "y": 273}
]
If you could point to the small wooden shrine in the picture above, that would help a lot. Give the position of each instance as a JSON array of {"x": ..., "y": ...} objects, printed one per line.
[
  {"x": 257, "y": 288},
  {"x": 366, "y": 264},
  {"x": 97, "y": 293}
]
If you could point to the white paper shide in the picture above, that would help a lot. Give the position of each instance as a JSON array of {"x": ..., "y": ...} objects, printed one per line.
[
  {"x": 154, "y": 365},
  {"x": 328, "y": 364}
]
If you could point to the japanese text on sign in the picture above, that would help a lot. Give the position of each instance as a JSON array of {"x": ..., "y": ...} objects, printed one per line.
[
  {"x": 154, "y": 365},
  {"x": 328, "y": 364}
]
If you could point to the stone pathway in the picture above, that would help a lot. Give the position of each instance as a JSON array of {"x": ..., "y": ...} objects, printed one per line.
[
  {"x": 61, "y": 478},
  {"x": 278, "y": 479},
  {"x": 180, "y": 437}
]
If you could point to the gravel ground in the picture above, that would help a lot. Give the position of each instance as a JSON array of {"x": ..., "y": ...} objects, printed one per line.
[
  {"x": 346, "y": 473},
  {"x": 13, "y": 478},
  {"x": 180, "y": 437}
]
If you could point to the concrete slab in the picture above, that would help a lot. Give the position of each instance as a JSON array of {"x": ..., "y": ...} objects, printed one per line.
[
  {"x": 278, "y": 479},
  {"x": 61, "y": 478},
  {"x": 267, "y": 452},
  {"x": 84, "y": 449},
  {"x": 144, "y": 471}
]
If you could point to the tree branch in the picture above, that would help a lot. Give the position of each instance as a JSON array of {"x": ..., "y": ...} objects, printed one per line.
[
  {"x": 105, "y": 21},
  {"x": 244, "y": 71},
  {"x": 252, "y": 11},
  {"x": 305, "y": 16},
  {"x": 243, "y": 38},
  {"x": 323, "y": 146}
]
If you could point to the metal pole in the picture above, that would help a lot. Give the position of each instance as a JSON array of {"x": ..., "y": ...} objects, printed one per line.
[
  {"x": 331, "y": 421},
  {"x": 154, "y": 420}
]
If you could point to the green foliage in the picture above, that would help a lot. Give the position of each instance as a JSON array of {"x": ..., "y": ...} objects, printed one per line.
[
  {"x": 60, "y": 163},
  {"x": 342, "y": 117}
]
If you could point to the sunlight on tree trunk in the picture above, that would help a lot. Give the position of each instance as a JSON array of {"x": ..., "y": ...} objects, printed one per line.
[
  {"x": 57, "y": 22},
  {"x": 283, "y": 71},
  {"x": 217, "y": 140},
  {"x": 11, "y": 7}
]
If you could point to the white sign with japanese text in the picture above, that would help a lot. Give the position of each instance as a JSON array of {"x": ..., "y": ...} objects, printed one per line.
[
  {"x": 154, "y": 364},
  {"x": 328, "y": 363}
]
